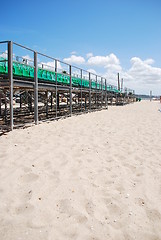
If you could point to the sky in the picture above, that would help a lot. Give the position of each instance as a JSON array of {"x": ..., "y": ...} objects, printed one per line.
[{"x": 105, "y": 37}]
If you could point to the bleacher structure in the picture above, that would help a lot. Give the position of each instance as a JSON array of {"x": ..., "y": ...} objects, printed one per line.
[{"x": 32, "y": 90}]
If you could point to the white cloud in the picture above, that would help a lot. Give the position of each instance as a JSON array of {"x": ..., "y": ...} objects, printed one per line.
[
  {"x": 4, "y": 54},
  {"x": 141, "y": 75},
  {"x": 92, "y": 71},
  {"x": 73, "y": 53},
  {"x": 104, "y": 61},
  {"x": 74, "y": 60},
  {"x": 149, "y": 61},
  {"x": 88, "y": 55},
  {"x": 142, "y": 71}
]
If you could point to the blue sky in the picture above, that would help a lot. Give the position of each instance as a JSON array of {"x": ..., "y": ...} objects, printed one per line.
[{"x": 130, "y": 30}]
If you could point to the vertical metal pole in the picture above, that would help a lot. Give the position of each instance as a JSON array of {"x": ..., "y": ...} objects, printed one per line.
[
  {"x": 121, "y": 84},
  {"x": 10, "y": 76},
  {"x": 106, "y": 103},
  {"x": 81, "y": 89},
  {"x": 20, "y": 100},
  {"x": 70, "y": 73},
  {"x": 96, "y": 93},
  {"x": 111, "y": 96},
  {"x": 90, "y": 91},
  {"x": 85, "y": 102},
  {"x": 57, "y": 100},
  {"x": 118, "y": 82},
  {"x": 35, "y": 89},
  {"x": 47, "y": 103},
  {"x": 101, "y": 92},
  {"x": 0, "y": 104},
  {"x": 56, "y": 90},
  {"x": 51, "y": 102},
  {"x": 5, "y": 112},
  {"x": 30, "y": 101}
]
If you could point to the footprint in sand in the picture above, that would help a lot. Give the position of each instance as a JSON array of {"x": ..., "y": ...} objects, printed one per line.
[
  {"x": 120, "y": 188},
  {"x": 27, "y": 169},
  {"x": 65, "y": 207},
  {"x": 54, "y": 177},
  {"x": 114, "y": 209},
  {"x": 89, "y": 206},
  {"x": 24, "y": 209},
  {"x": 31, "y": 177},
  {"x": 107, "y": 201},
  {"x": 2, "y": 155},
  {"x": 15, "y": 231},
  {"x": 47, "y": 164},
  {"x": 153, "y": 215},
  {"x": 127, "y": 165}
]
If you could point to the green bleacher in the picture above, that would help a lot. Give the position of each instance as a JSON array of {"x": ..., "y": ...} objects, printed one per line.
[{"x": 27, "y": 72}]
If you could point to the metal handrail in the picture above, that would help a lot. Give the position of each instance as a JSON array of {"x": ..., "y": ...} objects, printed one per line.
[{"x": 47, "y": 56}]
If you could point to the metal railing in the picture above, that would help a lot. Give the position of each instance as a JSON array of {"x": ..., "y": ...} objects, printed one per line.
[{"x": 91, "y": 77}]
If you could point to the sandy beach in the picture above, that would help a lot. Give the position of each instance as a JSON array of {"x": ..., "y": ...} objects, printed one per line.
[{"x": 95, "y": 176}]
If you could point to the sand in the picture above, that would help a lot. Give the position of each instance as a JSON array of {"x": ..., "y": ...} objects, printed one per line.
[{"x": 96, "y": 176}]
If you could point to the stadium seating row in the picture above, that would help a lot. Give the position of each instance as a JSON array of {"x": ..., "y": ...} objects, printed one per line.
[{"x": 26, "y": 71}]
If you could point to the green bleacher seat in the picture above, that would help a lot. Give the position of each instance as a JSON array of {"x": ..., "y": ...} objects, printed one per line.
[
  {"x": 17, "y": 70},
  {"x": 74, "y": 81},
  {"x": 31, "y": 71},
  {"x": 48, "y": 74},
  {"x": 6, "y": 67},
  {"x": 79, "y": 82},
  {"x": 25, "y": 72},
  {"x": 39, "y": 74},
  {"x": 93, "y": 84},
  {"x": 44, "y": 75},
  {"x": 68, "y": 80},
  {"x": 2, "y": 68},
  {"x": 65, "y": 80},
  {"x": 59, "y": 78},
  {"x": 53, "y": 76}
]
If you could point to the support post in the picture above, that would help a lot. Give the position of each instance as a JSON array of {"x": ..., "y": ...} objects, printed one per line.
[
  {"x": 96, "y": 93},
  {"x": 81, "y": 89},
  {"x": 85, "y": 102},
  {"x": 51, "y": 100},
  {"x": 106, "y": 103},
  {"x": 0, "y": 104},
  {"x": 122, "y": 84},
  {"x": 47, "y": 104},
  {"x": 5, "y": 109},
  {"x": 70, "y": 73},
  {"x": 56, "y": 90},
  {"x": 30, "y": 101},
  {"x": 35, "y": 89},
  {"x": 89, "y": 91},
  {"x": 118, "y": 82},
  {"x": 101, "y": 92},
  {"x": 10, "y": 76},
  {"x": 67, "y": 100},
  {"x": 20, "y": 100},
  {"x": 57, "y": 100}
]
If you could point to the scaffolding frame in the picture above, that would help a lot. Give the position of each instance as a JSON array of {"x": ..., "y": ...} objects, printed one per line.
[{"x": 78, "y": 99}]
